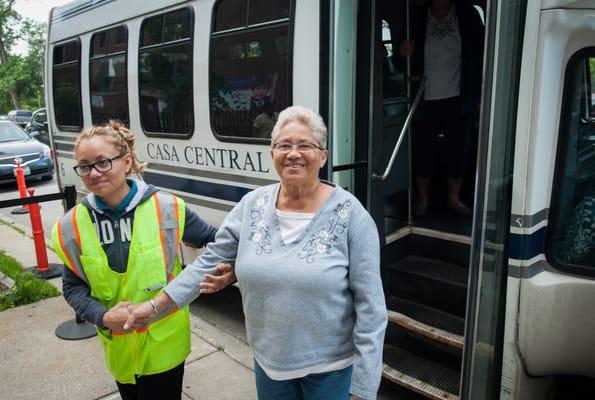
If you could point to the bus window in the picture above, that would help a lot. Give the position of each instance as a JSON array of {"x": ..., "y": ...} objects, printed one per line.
[
  {"x": 230, "y": 14},
  {"x": 107, "y": 80},
  {"x": 249, "y": 77},
  {"x": 165, "y": 74},
  {"x": 265, "y": 10},
  {"x": 66, "y": 86},
  {"x": 573, "y": 237}
]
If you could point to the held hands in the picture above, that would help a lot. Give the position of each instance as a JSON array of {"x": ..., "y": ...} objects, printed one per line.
[
  {"x": 115, "y": 318},
  {"x": 214, "y": 283},
  {"x": 140, "y": 314}
]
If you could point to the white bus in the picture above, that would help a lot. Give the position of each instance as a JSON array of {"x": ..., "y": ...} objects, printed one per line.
[{"x": 497, "y": 305}]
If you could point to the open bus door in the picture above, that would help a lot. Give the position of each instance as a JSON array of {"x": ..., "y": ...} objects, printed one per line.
[
  {"x": 445, "y": 280},
  {"x": 425, "y": 262},
  {"x": 372, "y": 104}
]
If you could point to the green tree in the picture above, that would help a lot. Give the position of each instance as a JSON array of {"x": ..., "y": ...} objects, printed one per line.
[
  {"x": 9, "y": 20},
  {"x": 21, "y": 76}
]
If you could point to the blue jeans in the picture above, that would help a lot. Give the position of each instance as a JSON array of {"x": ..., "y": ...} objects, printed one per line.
[{"x": 332, "y": 385}]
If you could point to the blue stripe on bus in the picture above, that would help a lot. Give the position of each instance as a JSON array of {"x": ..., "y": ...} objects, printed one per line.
[
  {"x": 202, "y": 188},
  {"x": 525, "y": 247},
  {"x": 521, "y": 247}
]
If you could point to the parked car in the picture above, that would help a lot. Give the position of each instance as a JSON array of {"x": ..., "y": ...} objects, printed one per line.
[
  {"x": 4, "y": 118},
  {"x": 15, "y": 143},
  {"x": 20, "y": 117},
  {"x": 38, "y": 127}
]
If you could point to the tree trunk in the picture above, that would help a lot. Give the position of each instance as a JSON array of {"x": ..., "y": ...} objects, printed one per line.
[{"x": 16, "y": 101}]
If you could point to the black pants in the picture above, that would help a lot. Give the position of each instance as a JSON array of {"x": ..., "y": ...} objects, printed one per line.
[
  {"x": 442, "y": 139},
  {"x": 166, "y": 385}
]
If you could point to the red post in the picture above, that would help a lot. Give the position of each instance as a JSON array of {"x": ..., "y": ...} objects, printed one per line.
[
  {"x": 38, "y": 237},
  {"x": 21, "y": 182}
]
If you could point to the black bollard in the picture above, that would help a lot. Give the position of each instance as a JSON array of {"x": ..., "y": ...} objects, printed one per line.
[{"x": 75, "y": 329}]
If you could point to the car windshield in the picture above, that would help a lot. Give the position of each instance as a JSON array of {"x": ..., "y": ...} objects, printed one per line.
[{"x": 10, "y": 133}]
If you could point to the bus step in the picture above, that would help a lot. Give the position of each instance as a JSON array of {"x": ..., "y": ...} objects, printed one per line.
[
  {"x": 434, "y": 283},
  {"x": 440, "y": 248},
  {"x": 428, "y": 331},
  {"x": 428, "y": 315},
  {"x": 427, "y": 378}
]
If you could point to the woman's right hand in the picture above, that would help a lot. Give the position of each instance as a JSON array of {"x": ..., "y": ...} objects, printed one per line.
[
  {"x": 406, "y": 48},
  {"x": 116, "y": 316}
]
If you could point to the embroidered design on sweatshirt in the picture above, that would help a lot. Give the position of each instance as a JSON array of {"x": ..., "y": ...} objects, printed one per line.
[
  {"x": 260, "y": 233},
  {"x": 322, "y": 241}
]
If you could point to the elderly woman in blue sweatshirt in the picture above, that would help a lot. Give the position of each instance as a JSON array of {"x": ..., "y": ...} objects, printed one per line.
[{"x": 307, "y": 262}]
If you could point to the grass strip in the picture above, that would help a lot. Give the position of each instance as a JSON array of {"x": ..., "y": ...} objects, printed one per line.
[
  {"x": 27, "y": 289},
  {"x": 9, "y": 266}
]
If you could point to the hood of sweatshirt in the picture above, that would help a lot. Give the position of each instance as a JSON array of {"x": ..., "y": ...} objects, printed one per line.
[{"x": 144, "y": 192}]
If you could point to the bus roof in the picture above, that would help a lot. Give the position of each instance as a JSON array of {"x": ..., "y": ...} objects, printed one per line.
[
  {"x": 81, "y": 16},
  {"x": 75, "y": 7}
]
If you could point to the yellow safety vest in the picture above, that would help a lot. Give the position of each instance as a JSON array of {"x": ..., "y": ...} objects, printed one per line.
[{"x": 152, "y": 262}]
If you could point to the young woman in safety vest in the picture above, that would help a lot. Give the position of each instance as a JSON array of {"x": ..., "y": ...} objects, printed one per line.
[{"x": 120, "y": 247}]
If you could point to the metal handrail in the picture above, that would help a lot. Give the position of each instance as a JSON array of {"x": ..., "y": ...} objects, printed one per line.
[{"x": 393, "y": 157}]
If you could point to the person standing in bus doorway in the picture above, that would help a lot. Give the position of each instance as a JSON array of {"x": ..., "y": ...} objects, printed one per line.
[
  {"x": 307, "y": 259},
  {"x": 120, "y": 245},
  {"x": 447, "y": 48}
]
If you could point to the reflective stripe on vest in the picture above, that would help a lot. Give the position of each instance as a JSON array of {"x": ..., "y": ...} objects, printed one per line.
[
  {"x": 167, "y": 214},
  {"x": 70, "y": 243}
]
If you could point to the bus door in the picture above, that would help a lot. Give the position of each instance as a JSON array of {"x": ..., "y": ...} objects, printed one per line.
[{"x": 374, "y": 97}]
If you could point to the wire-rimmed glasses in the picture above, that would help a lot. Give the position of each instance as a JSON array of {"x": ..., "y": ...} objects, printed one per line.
[{"x": 303, "y": 147}]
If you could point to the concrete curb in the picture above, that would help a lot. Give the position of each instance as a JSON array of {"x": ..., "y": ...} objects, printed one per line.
[{"x": 20, "y": 228}]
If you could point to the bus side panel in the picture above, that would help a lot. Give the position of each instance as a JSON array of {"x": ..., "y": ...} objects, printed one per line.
[{"x": 556, "y": 324}]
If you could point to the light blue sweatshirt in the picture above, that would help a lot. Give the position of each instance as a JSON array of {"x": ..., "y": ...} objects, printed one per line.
[{"x": 316, "y": 300}]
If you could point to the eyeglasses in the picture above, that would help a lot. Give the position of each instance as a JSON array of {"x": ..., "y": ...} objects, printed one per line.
[
  {"x": 100, "y": 166},
  {"x": 303, "y": 148}
]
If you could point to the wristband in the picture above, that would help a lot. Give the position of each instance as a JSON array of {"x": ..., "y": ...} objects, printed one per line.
[{"x": 155, "y": 308}]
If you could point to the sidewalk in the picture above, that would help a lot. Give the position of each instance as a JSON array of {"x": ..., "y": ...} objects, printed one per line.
[{"x": 37, "y": 364}]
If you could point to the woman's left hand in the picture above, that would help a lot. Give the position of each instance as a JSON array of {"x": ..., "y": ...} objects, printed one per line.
[{"x": 214, "y": 283}]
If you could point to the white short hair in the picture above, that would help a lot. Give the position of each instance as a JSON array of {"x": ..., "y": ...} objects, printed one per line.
[{"x": 304, "y": 115}]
